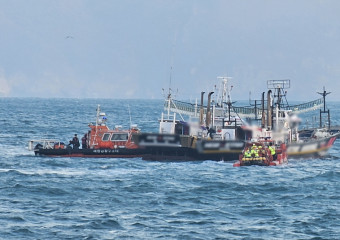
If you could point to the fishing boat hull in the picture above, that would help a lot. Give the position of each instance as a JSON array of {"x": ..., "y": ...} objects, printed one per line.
[
  {"x": 312, "y": 148},
  {"x": 166, "y": 154},
  {"x": 174, "y": 147},
  {"x": 166, "y": 147},
  {"x": 219, "y": 150}
]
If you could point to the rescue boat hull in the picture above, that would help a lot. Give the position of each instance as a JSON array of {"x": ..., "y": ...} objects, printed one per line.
[
  {"x": 92, "y": 153},
  {"x": 262, "y": 156}
]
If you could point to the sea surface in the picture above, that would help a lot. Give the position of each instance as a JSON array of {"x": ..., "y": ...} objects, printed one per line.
[{"x": 99, "y": 198}]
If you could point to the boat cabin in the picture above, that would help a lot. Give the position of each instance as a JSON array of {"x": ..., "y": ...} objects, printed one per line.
[{"x": 102, "y": 137}]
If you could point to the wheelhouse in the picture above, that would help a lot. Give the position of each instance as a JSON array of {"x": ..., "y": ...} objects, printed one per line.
[{"x": 114, "y": 137}]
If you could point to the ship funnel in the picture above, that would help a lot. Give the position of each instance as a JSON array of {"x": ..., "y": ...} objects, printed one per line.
[
  {"x": 208, "y": 117},
  {"x": 269, "y": 110},
  {"x": 201, "y": 109},
  {"x": 263, "y": 118}
]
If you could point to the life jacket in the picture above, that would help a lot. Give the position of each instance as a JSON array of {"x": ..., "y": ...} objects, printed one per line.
[
  {"x": 272, "y": 150},
  {"x": 255, "y": 152},
  {"x": 247, "y": 153}
]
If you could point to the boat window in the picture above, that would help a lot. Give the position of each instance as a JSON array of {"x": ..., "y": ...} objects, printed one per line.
[
  {"x": 106, "y": 136},
  {"x": 119, "y": 137}
]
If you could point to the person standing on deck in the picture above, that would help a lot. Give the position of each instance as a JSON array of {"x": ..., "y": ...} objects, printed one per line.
[
  {"x": 272, "y": 151},
  {"x": 84, "y": 141},
  {"x": 75, "y": 142}
]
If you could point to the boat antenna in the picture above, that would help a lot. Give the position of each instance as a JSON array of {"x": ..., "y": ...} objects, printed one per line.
[
  {"x": 168, "y": 96},
  {"x": 130, "y": 115},
  {"x": 97, "y": 122},
  {"x": 170, "y": 80},
  {"x": 97, "y": 117},
  {"x": 172, "y": 59},
  {"x": 171, "y": 64}
]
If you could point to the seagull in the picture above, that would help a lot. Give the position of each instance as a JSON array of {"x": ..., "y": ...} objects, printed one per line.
[{"x": 67, "y": 37}]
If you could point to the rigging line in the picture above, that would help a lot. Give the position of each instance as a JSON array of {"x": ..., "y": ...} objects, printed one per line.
[
  {"x": 178, "y": 109},
  {"x": 237, "y": 114}
]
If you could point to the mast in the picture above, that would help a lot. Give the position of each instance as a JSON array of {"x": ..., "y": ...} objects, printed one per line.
[
  {"x": 324, "y": 94},
  {"x": 130, "y": 115},
  {"x": 279, "y": 87},
  {"x": 224, "y": 92},
  {"x": 97, "y": 123},
  {"x": 97, "y": 115},
  {"x": 170, "y": 104}
]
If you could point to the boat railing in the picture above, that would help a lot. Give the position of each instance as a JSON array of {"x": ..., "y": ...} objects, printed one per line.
[
  {"x": 183, "y": 107},
  {"x": 251, "y": 112},
  {"x": 46, "y": 143},
  {"x": 191, "y": 109},
  {"x": 306, "y": 107}
]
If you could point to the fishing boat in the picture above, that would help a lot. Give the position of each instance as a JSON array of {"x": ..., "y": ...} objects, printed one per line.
[
  {"x": 201, "y": 132},
  {"x": 313, "y": 145},
  {"x": 260, "y": 153},
  {"x": 280, "y": 121},
  {"x": 99, "y": 141},
  {"x": 220, "y": 130}
]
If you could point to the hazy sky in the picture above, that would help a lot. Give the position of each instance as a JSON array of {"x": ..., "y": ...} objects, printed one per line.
[{"x": 126, "y": 48}]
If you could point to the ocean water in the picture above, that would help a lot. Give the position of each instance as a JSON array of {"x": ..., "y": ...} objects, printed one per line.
[{"x": 99, "y": 198}]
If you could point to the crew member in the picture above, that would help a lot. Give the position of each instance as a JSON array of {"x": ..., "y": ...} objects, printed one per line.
[
  {"x": 75, "y": 142},
  {"x": 254, "y": 151},
  {"x": 272, "y": 151},
  {"x": 262, "y": 152},
  {"x": 84, "y": 141},
  {"x": 211, "y": 132},
  {"x": 247, "y": 153}
]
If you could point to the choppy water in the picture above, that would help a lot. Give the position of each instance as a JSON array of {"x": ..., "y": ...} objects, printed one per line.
[{"x": 81, "y": 198}]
